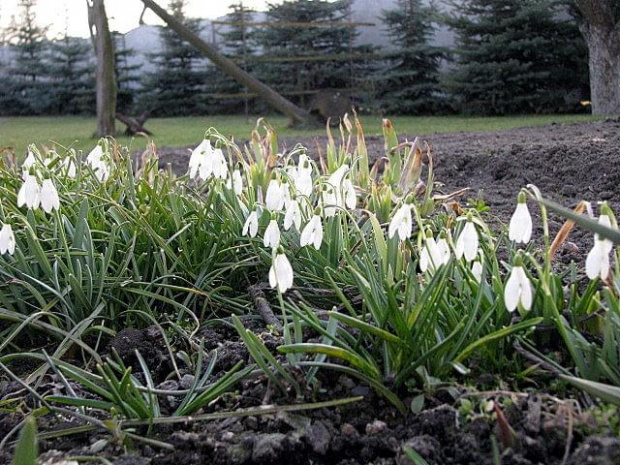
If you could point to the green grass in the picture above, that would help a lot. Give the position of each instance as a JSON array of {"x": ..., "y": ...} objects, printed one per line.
[{"x": 177, "y": 132}]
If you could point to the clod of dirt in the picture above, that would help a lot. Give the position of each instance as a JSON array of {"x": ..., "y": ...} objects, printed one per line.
[
  {"x": 268, "y": 447},
  {"x": 318, "y": 437},
  {"x": 599, "y": 450}
]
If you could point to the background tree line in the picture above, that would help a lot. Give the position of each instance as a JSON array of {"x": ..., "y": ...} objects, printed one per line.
[{"x": 511, "y": 56}]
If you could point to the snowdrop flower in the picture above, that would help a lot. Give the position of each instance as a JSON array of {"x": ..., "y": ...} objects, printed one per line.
[
  {"x": 29, "y": 162},
  {"x": 476, "y": 270},
  {"x": 303, "y": 183},
  {"x": 520, "y": 229},
  {"x": 69, "y": 167},
  {"x": 235, "y": 183},
  {"x": 518, "y": 289},
  {"x": 198, "y": 156},
  {"x": 272, "y": 235},
  {"x": 274, "y": 199},
  {"x": 30, "y": 193},
  {"x": 332, "y": 195},
  {"x": 434, "y": 254},
  {"x": 329, "y": 200},
  {"x": 467, "y": 243},
  {"x": 605, "y": 220},
  {"x": 401, "y": 223},
  {"x": 251, "y": 225},
  {"x": 292, "y": 216},
  {"x": 597, "y": 261},
  {"x": 281, "y": 273},
  {"x": 219, "y": 164},
  {"x": 7, "y": 240},
  {"x": 49, "y": 196},
  {"x": 312, "y": 233},
  {"x": 96, "y": 159},
  {"x": 350, "y": 197}
]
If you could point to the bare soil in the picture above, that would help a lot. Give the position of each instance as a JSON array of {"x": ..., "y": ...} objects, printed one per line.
[{"x": 567, "y": 162}]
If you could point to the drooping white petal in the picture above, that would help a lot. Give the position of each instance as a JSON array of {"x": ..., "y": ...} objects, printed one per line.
[
  {"x": 312, "y": 233},
  {"x": 197, "y": 157},
  {"x": 29, "y": 193},
  {"x": 274, "y": 199},
  {"x": 49, "y": 196},
  {"x": 292, "y": 216},
  {"x": 467, "y": 243},
  {"x": 518, "y": 290},
  {"x": 237, "y": 183},
  {"x": 350, "y": 197},
  {"x": 281, "y": 274},
  {"x": 272, "y": 235},
  {"x": 443, "y": 250},
  {"x": 512, "y": 291},
  {"x": 525, "y": 288},
  {"x": 520, "y": 228},
  {"x": 7, "y": 240},
  {"x": 401, "y": 223},
  {"x": 251, "y": 225},
  {"x": 604, "y": 220},
  {"x": 476, "y": 270},
  {"x": 303, "y": 183},
  {"x": 597, "y": 261}
]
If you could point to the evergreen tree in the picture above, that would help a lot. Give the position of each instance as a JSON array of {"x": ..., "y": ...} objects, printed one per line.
[
  {"x": 237, "y": 42},
  {"x": 315, "y": 43},
  {"x": 176, "y": 87},
  {"x": 127, "y": 79},
  {"x": 410, "y": 82},
  {"x": 516, "y": 56},
  {"x": 25, "y": 90},
  {"x": 70, "y": 70}
]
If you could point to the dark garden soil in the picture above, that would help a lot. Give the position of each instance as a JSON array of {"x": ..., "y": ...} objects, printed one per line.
[{"x": 568, "y": 163}]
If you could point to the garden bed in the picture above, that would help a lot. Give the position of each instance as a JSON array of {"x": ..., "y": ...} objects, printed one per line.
[{"x": 456, "y": 424}]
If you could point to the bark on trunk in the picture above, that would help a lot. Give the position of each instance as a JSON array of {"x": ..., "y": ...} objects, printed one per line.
[
  {"x": 276, "y": 100},
  {"x": 601, "y": 30},
  {"x": 105, "y": 79}
]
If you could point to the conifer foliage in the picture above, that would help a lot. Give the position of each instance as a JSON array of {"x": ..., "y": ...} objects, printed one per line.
[
  {"x": 409, "y": 83},
  {"x": 516, "y": 56},
  {"x": 177, "y": 84}
]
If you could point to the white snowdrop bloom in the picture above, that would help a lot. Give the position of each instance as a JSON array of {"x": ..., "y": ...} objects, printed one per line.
[
  {"x": 251, "y": 225},
  {"x": 467, "y": 243},
  {"x": 303, "y": 183},
  {"x": 272, "y": 235},
  {"x": 304, "y": 165},
  {"x": 312, "y": 233},
  {"x": 520, "y": 228},
  {"x": 274, "y": 198},
  {"x": 30, "y": 193},
  {"x": 69, "y": 167},
  {"x": 96, "y": 159},
  {"x": 444, "y": 250},
  {"x": 604, "y": 220},
  {"x": 49, "y": 196},
  {"x": 28, "y": 163},
  {"x": 401, "y": 223},
  {"x": 597, "y": 261},
  {"x": 7, "y": 240},
  {"x": 350, "y": 196},
  {"x": 237, "y": 183},
  {"x": 95, "y": 155},
  {"x": 518, "y": 289},
  {"x": 291, "y": 172},
  {"x": 197, "y": 157},
  {"x": 330, "y": 199},
  {"x": 286, "y": 193},
  {"x": 281, "y": 273},
  {"x": 292, "y": 216},
  {"x": 218, "y": 164},
  {"x": 476, "y": 270},
  {"x": 430, "y": 258}
]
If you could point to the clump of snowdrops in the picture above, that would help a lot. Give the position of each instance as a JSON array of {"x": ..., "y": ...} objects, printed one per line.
[{"x": 400, "y": 285}]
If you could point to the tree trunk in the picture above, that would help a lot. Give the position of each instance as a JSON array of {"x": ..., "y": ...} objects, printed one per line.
[
  {"x": 105, "y": 79},
  {"x": 600, "y": 28},
  {"x": 276, "y": 100}
]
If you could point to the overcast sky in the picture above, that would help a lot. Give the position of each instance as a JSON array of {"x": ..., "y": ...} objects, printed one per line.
[{"x": 123, "y": 14}]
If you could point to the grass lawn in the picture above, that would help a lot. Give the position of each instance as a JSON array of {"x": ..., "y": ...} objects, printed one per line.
[{"x": 176, "y": 132}]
